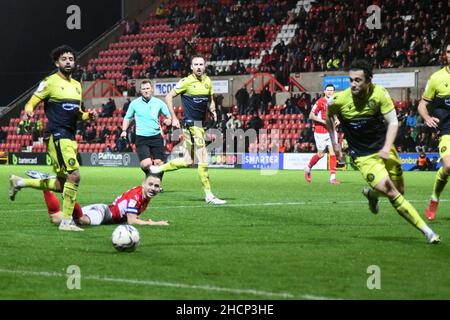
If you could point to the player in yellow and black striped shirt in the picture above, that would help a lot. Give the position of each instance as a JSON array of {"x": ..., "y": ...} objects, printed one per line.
[
  {"x": 369, "y": 121},
  {"x": 62, "y": 103},
  {"x": 196, "y": 92},
  {"x": 437, "y": 98}
]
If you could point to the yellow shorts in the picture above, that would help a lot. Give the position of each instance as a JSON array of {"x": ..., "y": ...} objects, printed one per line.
[
  {"x": 64, "y": 156},
  {"x": 444, "y": 146},
  {"x": 374, "y": 169},
  {"x": 194, "y": 136}
]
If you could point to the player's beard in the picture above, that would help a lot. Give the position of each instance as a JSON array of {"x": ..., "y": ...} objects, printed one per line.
[{"x": 66, "y": 71}]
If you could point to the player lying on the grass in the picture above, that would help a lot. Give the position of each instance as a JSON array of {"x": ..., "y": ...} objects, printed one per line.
[{"x": 126, "y": 208}]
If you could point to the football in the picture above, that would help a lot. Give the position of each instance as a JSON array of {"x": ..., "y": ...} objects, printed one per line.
[{"x": 125, "y": 238}]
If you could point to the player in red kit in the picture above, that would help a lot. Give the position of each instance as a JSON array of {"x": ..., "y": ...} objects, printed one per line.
[
  {"x": 321, "y": 136},
  {"x": 125, "y": 209}
]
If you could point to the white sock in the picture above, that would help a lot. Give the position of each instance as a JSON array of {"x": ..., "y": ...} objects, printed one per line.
[
  {"x": 20, "y": 183},
  {"x": 427, "y": 231},
  {"x": 333, "y": 176}
]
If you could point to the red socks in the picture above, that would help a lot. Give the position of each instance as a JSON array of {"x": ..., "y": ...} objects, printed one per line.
[
  {"x": 53, "y": 207},
  {"x": 332, "y": 164},
  {"x": 52, "y": 202},
  {"x": 313, "y": 160}
]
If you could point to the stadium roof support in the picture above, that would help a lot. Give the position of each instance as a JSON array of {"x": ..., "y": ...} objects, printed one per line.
[
  {"x": 106, "y": 87},
  {"x": 268, "y": 79}
]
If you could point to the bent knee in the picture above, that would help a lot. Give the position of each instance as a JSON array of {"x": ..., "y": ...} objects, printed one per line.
[
  {"x": 74, "y": 177},
  {"x": 146, "y": 163}
]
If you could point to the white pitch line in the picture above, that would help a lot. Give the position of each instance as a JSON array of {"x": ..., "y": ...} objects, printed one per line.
[
  {"x": 263, "y": 204},
  {"x": 155, "y": 283}
]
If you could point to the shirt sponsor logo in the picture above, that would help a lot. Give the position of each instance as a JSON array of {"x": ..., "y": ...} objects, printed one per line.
[{"x": 70, "y": 106}]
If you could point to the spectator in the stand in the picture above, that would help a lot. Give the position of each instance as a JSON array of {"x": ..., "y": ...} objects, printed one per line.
[
  {"x": 280, "y": 48},
  {"x": 233, "y": 123},
  {"x": 161, "y": 11},
  {"x": 78, "y": 73},
  {"x": 303, "y": 104},
  {"x": 282, "y": 74},
  {"x": 135, "y": 57},
  {"x": 37, "y": 127},
  {"x": 260, "y": 35},
  {"x": 125, "y": 108},
  {"x": 122, "y": 145},
  {"x": 103, "y": 134},
  {"x": 108, "y": 149},
  {"x": 266, "y": 98},
  {"x": 127, "y": 72},
  {"x": 256, "y": 123},
  {"x": 423, "y": 163},
  {"x": 432, "y": 144},
  {"x": 334, "y": 63},
  {"x": 24, "y": 126},
  {"x": 242, "y": 99},
  {"x": 191, "y": 16},
  {"x": 255, "y": 102},
  {"x": 90, "y": 134},
  {"x": 135, "y": 27},
  {"x": 297, "y": 148},
  {"x": 290, "y": 106},
  {"x": 175, "y": 17},
  {"x": 406, "y": 142},
  {"x": 132, "y": 90},
  {"x": 108, "y": 109},
  {"x": 420, "y": 141},
  {"x": 150, "y": 72},
  {"x": 3, "y": 135},
  {"x": 117, "y": 132},
  {"x": 411, "y": 119},
  {"x": 126, "y": 27}
]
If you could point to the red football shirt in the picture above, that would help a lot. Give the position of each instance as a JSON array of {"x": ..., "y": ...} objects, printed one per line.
[
  {"x": 132, "y": 201},
  {"x": 320, "y": 110}
]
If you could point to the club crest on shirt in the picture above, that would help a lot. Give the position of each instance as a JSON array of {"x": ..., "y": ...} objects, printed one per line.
[
  {"x": 371, "y": 104},
  {"x": 370, "y": 177},
  {"x": 443, "y": 149}
]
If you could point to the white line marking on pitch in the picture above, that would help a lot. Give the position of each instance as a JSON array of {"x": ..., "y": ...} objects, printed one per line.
[
  {"x": 155, "y": 283},
  {"x": 262, "y": 204}
]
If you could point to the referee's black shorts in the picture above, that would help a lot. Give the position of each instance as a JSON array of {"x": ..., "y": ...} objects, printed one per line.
[{"x": 150, "y": 147}]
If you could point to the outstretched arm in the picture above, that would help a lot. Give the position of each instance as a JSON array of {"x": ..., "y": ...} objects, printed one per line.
[{"x": 134, "y": 219}]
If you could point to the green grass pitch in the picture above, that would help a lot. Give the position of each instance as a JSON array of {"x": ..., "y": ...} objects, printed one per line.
[{"x": 277, "y": 238}]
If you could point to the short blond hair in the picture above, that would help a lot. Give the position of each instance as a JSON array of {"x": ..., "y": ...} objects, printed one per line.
[{"x": 145, "y": 81}]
